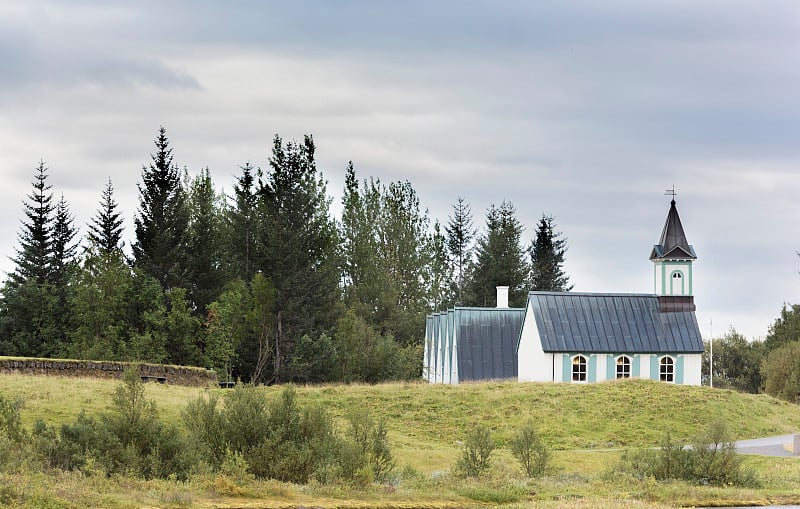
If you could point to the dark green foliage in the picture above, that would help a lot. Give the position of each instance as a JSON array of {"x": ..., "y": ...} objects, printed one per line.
[
  {"x": 204, "y": 244},
  {"x": 35, "y": 254},
  {"x": 362, "y": 355},
  {"x": 781, "y": 371},
  {"x": 393, "y": 267},
  {"x": 711, "y": 459},
  {"x": 785, "y": 329},
  {"x": 500, "y": 260},
  {"x": 241, "y": 227},
  {"x": 105, "y": 229},
  {"x": 460, "y": 233},
  {"x": 162, "y": 220},
  {"x": 475, "y": 459},
  {"x": 297, "y": 250},
  {"x": 313, "y": 359},
  {"x": 737, "y": 362},
  {"x": 529, "y": 449},
  {"x": 547, "y": 252}
]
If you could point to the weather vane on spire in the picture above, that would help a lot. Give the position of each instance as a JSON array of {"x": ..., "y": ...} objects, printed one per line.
[{"x": 671, "y": 192}]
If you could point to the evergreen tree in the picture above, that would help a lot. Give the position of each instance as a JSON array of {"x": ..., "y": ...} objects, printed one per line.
[
  {"x": 547, "y": 259},
  {"x": 460, "y": 233},
  {"x": 205, "y": 273},
  {"x": 105, "y": 230},
  {"x": 35, "y": 255},
  {"x": 298, "y": 247},
  {"x": 405, "y": 249},
  {"x": 30, "y": 303},
  {"x": 500, "y": 260},
  {"x": 364, "y": 276},
  {"x": 63, "y": 245},
  {"x": 242, "y": 226},
  {"x": 162, "y": 220},
  {"x": 62, "y": 274},
  {"x": 440, "y": 272}
]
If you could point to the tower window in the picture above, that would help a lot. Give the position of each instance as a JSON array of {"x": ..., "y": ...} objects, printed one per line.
[
  {"x": 677, "y": 275},
  {"x": 623, "y": 366},
  {"x": 579, "y": 368},
  {"x": 666, "y": 369}
]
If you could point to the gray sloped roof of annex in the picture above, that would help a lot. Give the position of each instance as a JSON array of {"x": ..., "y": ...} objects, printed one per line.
[{"x": 612, "y": 323}]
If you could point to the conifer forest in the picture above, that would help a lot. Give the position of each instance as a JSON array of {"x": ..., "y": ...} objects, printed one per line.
[{"x": 261, "y": 284}]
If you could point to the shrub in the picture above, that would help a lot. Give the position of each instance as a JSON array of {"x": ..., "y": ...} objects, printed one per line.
[
  {"x": 367, "y": 447},
  {"x": 475, "y": 456},
  {"x": 530, "y": 450},
  {"x": 712, "y": 459},
  {"x": 207, "y": 431}
]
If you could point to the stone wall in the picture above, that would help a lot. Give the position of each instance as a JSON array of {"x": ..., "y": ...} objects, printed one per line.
[{"x": 177, "y": 375}]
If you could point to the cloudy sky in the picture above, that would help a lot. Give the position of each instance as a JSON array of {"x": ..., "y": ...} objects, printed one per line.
[{"x": 586, "y": 111}]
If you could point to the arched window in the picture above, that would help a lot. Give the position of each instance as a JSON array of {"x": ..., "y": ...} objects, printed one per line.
[
  {"x": 579, "y": 368},
  {"x": 666, "y": 369},
  {"x": 676, "y": 285},
  {"x": 623, "y": 366}
]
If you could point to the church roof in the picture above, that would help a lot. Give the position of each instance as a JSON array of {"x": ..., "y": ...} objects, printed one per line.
[
  {"x": 673, "y": 244},
  {"x": 612, "y": 323},
  {"x": 485, "y": 340}
]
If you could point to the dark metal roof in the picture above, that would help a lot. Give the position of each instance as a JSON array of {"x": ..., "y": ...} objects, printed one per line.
[
  {"x": 612, "y": 323},
  {"x": 673, "y": 244},
  {"x": 485, "y": 340}
]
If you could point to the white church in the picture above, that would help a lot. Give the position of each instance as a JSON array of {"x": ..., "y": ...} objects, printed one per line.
[{"x": 578, "y": 337}]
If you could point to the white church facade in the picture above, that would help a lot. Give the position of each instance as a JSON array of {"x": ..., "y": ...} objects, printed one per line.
[{"x": 579, "y": 337}]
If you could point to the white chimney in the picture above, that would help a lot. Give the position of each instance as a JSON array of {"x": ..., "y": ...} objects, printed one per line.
[{"x": 502, "y": 296}]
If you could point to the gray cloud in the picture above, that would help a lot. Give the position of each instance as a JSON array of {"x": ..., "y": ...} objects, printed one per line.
[{"x": 586, "y": 111}]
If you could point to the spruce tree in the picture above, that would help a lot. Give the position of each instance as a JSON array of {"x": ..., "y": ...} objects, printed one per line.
[
  {"x": 241, "y": 226},
  {"x": 105, "y": 229},
  {"x": 64, "y": 246},
  {"x": 205, "y": 273},
  {"x": 297, "y": 248},
  {"x": 460, "y": 233},
  {"x": 547, "y": 252},
  {"x": 35, "y": 255},
  {"x": 29, "y": 304},
  {"x": 500, "y": 260},
  {"x": 162, "y": 219}
]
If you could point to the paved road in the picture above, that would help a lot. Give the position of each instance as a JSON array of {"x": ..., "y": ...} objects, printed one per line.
[{"x": 769, "y": 446}]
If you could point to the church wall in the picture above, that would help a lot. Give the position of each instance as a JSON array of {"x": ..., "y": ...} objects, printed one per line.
[{"x": 534, "y": 364}]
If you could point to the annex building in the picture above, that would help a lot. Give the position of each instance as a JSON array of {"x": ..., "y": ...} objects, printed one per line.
[{"x": 578, "y": 337}]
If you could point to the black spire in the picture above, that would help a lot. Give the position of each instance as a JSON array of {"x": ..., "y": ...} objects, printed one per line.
[{"x": 673, "y": 244}]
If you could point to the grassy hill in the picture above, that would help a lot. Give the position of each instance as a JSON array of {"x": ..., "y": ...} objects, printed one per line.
[{"x": 586, "y": 425}]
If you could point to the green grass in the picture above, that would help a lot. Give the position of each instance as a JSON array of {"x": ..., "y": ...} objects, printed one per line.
[{"x": 588, "y": 426}]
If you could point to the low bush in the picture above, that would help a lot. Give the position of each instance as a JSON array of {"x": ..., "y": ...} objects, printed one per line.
[
  {"x": 476, "y": 453},
  {"x": 529, "y": 449},
  {"x": 711, "y": 459}
]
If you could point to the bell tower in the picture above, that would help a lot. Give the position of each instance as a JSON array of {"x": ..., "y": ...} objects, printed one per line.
[{"x": 672, "y": 258}]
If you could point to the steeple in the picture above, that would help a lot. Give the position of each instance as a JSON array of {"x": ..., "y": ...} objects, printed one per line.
[
  {"x": 672, "y": 257},
  {"x": 673, "y": 244}
]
